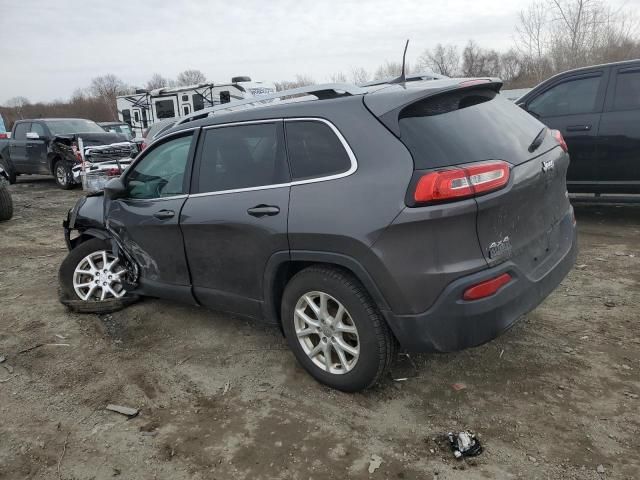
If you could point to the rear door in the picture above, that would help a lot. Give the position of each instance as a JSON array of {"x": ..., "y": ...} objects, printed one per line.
[
  {"x": 146, "y": 220},
  {"x": 236, "y": 217},
  {"x": 619, "y": 134},
  {"x": 573, "y": 105}
]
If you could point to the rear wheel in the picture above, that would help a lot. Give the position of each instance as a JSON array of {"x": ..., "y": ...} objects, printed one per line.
[
  {"x": 92, "y": 279},
  {"x": 335, "y": 330},
  {"x": 63, "y": 175},
  {"x": 6, "y": 204}
]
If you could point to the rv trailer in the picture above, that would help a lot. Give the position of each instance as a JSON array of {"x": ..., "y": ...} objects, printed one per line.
[{"x": 144, "y": 108}]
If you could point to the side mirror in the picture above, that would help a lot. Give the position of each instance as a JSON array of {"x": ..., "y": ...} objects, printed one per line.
[
  {"x": 32, "y": 136},
  {"x": 114, "y": 189}
]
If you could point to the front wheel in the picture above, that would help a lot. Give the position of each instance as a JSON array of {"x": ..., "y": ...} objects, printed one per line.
[
  {"x": 92, "y": 279},
  {"x": 335, "y": 330},
  {"x": 63, "y": 175},
  {"x": 6, "y": 204}
]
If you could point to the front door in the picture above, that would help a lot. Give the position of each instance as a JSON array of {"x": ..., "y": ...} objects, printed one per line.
[
  {"x": 37, "y": 149},
  {"x": 236, "y": 217},
  {"x": 146, "y": 220},
  {"x": 574, "y": 106}
]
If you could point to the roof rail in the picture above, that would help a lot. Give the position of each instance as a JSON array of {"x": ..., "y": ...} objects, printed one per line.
[{"x": 321, "y": 91}]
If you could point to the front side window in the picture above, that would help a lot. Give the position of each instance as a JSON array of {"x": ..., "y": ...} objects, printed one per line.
[
  {"x": 242, "y": 157},
  {"x": 39, "y": 129},
  {"x": 568, "y": 98},
  {"x": 627, "y": 94},
  {"x": 161, "y": 173},
  {"x": 315, "y": 150},
  {"x": 21, "y": 131},
  {"x": 165, "y": 109}
]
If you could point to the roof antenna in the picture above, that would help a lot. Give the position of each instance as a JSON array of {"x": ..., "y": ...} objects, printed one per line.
[{"x": 403, "y": 77}]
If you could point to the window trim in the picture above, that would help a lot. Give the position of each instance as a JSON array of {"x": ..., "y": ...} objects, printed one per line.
[{"x": 352, "y": 169}]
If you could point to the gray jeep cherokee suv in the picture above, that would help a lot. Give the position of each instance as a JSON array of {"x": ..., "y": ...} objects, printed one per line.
[{"x": 429, "y": 215}]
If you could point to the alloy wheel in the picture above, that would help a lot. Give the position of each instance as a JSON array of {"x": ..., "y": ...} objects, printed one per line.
[
  {"x": 98, "y": 276},
  {"x": 326, "y": 332}
]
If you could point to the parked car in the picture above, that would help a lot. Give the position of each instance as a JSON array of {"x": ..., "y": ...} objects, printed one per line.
[
  {"x": 428, "y": 214},
  {"x": 155, "y": 130},
  {"x": 6, "y": 203},
  {"x": 597, "y": 109},
  {"x": 49, "y": 146},
  {"x": 118, "y": 127}
]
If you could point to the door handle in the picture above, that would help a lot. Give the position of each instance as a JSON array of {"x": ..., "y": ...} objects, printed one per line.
[
  {"x": 29, "y": 145},
  {"x": 263, "y": 210},
  {"x": 579, "y": 128},
  {"x": 164, "y": 214}
]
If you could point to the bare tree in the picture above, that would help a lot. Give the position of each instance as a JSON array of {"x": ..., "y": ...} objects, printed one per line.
[
  {"x": 359, "y": 75},
  {"x": 157, "y": 81},
  {"x": 107, "y": 88},
  {"x": 300, "y": 81},
  {"x": 338, "y": 77},
  {"x": 478, "y": 62},
  {"x": 442, "y": 59},
  {"x": 18, "y": 104},
  {"x": 190, "y": 77},
  {"x": 389, "y": 70}
]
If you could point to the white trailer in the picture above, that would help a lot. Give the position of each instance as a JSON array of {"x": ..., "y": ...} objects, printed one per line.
[{"x": 144, "y": 108}]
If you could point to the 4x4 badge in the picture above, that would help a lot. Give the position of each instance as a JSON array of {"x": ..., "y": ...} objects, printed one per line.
[
  {"x": 547, "y": 165},
  {"x": 499, "y": 249}
]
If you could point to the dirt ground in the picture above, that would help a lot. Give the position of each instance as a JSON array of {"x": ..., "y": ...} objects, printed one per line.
[{"x": 222, "y": 398}]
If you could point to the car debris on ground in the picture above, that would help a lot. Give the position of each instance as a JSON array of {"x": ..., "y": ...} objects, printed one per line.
[
  {"x": 126, "y": 411},
  {"x": 464, "y": 444},
  {"x": 374, "y": 463}
]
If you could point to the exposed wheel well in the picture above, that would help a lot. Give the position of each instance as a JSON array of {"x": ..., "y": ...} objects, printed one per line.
[
  {"x": 53, "y": 158},
  {"x": 286, "y": 271}
]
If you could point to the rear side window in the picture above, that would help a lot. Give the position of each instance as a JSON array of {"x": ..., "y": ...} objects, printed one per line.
[
  {"x": 315, "y": 150},
  {"x": 466, "y": 126},
  {"x": 627, "y": 94},
  {"x": 242, "y": 156},
  {"x": 21, "y": 131},
  {"x": 568, "y": 98}
]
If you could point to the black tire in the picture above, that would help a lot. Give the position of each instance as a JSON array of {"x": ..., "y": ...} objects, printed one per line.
[
  {"x": 377, "y": 344},
  {"x": 69, "y": 297},
  {"x": 10, "y": 171},
  {"x": 63, "y": 175},
  {"x": 6, "y": 204}
]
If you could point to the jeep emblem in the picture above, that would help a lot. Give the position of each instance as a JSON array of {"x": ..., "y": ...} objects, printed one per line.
[{"x": 548, "y": 165}]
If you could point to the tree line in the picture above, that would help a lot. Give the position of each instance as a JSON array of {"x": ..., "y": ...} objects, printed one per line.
[{"x": 551, "y": 36}]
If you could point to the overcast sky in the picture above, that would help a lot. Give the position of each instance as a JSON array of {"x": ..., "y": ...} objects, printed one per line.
[{"x": 50, "y": 48}]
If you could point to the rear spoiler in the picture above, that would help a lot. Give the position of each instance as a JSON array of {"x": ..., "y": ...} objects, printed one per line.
[{"x": 387, "y": 103}]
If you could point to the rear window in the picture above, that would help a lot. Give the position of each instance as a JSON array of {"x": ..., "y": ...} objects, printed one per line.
[
  {"x": 315, "y": 150},
  {"x": 466, "y": 126}
]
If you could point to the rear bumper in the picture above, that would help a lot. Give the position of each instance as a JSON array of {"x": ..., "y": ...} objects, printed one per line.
[{"x": 454, "y": 324}]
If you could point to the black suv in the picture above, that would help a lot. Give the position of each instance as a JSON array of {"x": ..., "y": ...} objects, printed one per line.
[
  {"x": 597, "y": 110},
  {"x": 427, "y": 214}
]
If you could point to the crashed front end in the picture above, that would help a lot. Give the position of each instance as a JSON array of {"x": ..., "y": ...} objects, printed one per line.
[{"x": 100, "y": 163}]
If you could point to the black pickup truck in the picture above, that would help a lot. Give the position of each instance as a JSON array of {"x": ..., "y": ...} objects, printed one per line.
[
  {"x": 597, "y": 110},
  {"x": 49, "y": 146}
]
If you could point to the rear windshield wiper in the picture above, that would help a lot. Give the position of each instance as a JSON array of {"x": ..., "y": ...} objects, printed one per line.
[{"x": 538, "y": 140}]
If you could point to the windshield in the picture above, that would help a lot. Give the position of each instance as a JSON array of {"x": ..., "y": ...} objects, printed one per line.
[
  {"x": 71, "y": 126},
  {"x": 119, "y": 129}
]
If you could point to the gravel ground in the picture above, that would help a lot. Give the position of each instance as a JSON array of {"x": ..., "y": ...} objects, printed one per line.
[{"x": 221, "y": 397}]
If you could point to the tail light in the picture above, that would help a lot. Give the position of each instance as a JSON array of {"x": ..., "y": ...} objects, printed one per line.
[
  {"x": 560, "y": 139},
  {"x": 76, "y": 152},
  {"x": 486, "y": 288},
  {"x": 3, "y": 135},
  {"x": 143, "y": 146},
  {"x": 113, "y": 172},
  {"x": 461, "y": 182}
]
